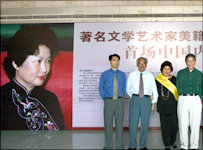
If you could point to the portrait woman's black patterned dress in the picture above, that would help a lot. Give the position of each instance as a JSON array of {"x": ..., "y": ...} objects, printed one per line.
[{"x": 37, "y": 110}]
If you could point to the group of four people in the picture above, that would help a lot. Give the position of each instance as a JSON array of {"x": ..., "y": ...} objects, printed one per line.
[{"x": 144, "y": 91}]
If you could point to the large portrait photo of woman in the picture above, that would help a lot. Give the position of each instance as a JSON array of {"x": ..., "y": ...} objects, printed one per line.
[{"x": 25, "y": 102}]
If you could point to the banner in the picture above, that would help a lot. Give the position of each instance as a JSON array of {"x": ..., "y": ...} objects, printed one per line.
[
  {"x": 94, "y": 42},
  {"x": 75, "y": 73}
]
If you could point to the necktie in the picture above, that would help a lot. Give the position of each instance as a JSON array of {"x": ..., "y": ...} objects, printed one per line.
[
  {"x": 115, "y": 87},
  {"x": 141, "y": 87}
]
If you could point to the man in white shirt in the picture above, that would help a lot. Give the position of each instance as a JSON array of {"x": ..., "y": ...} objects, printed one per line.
[{"x": 141, "y": 87}]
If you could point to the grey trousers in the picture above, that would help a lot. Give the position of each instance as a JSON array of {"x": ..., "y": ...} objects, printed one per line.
[
  {"x": 140, "y": 108},
  {"x": 113, "y": 108}
]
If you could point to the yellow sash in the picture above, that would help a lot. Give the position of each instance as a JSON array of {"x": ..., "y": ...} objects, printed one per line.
[{"x": 168, "y": 84}]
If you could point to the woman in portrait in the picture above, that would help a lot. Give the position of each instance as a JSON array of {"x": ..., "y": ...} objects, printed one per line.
[
  {"x": 167, "y": 104},
  {"x": 25, "y": 104}
]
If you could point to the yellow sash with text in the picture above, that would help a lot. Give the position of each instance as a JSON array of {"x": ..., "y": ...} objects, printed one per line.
[{"x": 168, "y": 84}]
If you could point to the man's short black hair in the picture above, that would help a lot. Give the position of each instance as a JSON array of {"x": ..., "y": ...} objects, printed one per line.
[
  {"x": 166, "y": 63},
  {"x": 116, "y": 55},
  {"x": 190, "y": 55}
]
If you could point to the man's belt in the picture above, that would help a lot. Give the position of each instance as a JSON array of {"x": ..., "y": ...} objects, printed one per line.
[
  {"x": 113, "y": 98},
  {"x": 192, "y": 94},
  {"x": 144, "y": 95}
]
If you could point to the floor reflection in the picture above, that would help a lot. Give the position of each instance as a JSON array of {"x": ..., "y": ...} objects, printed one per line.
[{"x": 93, "y": 139}]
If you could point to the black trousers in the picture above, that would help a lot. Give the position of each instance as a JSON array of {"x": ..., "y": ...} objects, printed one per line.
[{"x": 169, "y": 125}]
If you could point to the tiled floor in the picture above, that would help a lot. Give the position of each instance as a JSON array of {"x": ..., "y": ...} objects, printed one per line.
[{"x": 91, "y": 139}]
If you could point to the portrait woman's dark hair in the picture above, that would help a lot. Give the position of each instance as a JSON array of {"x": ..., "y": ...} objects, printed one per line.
[
  {"x": 166, "y": 63},
  {"x": 26, "y": 42}
]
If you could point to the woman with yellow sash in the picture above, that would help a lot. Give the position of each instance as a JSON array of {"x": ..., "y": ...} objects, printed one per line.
[{"x": 167, "y": 104}]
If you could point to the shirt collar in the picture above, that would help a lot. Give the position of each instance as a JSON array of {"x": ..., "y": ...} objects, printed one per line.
[
  {"x": 192, "y": 70},
  {"x": 113, "y": 70},
  {"x": 141, "y": 72}
]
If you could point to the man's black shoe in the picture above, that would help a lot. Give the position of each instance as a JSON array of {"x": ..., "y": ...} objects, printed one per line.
[
  {"x": 174, "y": 145},
  {"x": 144, "y": 148}
]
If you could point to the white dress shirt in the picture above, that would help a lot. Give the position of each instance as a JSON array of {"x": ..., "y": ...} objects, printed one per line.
[{"x": 149, "y": 84}]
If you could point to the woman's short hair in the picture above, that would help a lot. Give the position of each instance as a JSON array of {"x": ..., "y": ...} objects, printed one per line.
[
  {"x": 26, "y": 42},
  {"x": 166, "y": 63}
]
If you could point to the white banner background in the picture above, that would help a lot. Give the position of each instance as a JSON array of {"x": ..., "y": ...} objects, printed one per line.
[{"x": 158, "y": 41}]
